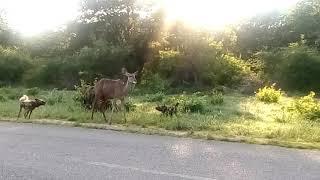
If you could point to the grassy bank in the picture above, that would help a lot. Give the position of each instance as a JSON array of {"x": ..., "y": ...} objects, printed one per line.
[{"x": 237, "y": 118}]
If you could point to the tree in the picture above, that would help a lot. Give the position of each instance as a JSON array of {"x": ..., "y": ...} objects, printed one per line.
[{"x": 305, "y": 19}]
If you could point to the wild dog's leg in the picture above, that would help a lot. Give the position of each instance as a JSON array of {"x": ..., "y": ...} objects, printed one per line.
[
  {"x": 26, "y": 113},
  {"x": 30, "y": 113}
]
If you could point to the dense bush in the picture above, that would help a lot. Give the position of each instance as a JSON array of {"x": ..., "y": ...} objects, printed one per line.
[
  {"x": 295, "y": 68},
  {"x": 83, "y": 94},
  {"x": 104, "y": 59},
  {"x": 206, "y": 67},
  {"x": 54, "y": 97},
  {"x": 2, "y": 98},
  {"x": 216, "y": 98},
  {"x": 269, "y": 94},
  {"x": 153, "y": 83},
  {"x": 13, "y": 64},
  {"x": 188, "y": 104},
  {"x": 101, "y": 60},
  {"x": 308, "y": 106},
  {"x": 130, "y": 106},
  {"x": 33, "y": 91},
  {"x": 157, "y": 97}
]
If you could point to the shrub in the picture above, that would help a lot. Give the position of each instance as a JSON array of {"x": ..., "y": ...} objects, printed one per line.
[
  {"x": 194, "y": 105},
  {"x": 55, "y": 72},
  {"x": 13, "y": 94},
  {"x": 83, "y": 95},
  {"x": 54, "y": 97},
  {"x": 216, "y": 98},
  {"x": 157, "y": 97},
  {"x": 208, "y": 66},
  {"x": 154, "y": 83},
  {"x": 2, "y": 99},
  {"x": 13, "y": 64},
  {"x": 296, "y": 67},
  {"x": 269, "y": 94},
  {"x": 189, "y": 104},
  {"x": 308, "y": 106},
  {"x": 301, "y": 70},
  {"x": 222, "y": 70},
  {"x": 130, "y": 106},
  {"x": 33, "y": 91}
]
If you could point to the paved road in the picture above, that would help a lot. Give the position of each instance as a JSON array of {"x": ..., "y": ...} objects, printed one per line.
[{"x": 49, "y": 152}]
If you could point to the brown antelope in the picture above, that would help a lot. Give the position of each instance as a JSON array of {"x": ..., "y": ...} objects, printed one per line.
[{"x": 112, "y": 90}]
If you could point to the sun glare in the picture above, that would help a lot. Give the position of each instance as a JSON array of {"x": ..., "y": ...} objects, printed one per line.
[
  {"x": 30, "y": 17},
  {"x": 218, "y": 13}
]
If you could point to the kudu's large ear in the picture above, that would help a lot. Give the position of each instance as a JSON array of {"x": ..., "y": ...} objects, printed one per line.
[
  {"x": 135, "y": 73},
  {"x": 124, "y": 70}
]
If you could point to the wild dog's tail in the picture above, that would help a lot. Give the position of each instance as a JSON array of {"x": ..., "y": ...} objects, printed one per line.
[{"x": 24, "y": 98}]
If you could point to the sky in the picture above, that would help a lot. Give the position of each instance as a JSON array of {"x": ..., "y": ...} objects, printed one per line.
[{"x": 30, "y": 17}]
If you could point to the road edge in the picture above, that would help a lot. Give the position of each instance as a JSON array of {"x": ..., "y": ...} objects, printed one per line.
[{"x": 162, "y": 132}]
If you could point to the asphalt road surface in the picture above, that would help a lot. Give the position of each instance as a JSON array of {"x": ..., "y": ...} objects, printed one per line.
[{"x": 30, "y": 151}]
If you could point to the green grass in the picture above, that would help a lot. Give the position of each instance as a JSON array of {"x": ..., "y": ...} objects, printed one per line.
[{"x": 237, "y": 117}]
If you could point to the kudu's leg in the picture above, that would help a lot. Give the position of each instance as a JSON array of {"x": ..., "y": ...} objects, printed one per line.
[
  {"x": 113, "y": 104},
  {"x": 104, "y": 116},
  {"x": 19, "y": 112},
  {"x": 93, "y": 107},
  {"x": 123, "y": 104}
]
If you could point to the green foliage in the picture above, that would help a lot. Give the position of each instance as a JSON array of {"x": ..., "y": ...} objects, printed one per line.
[
  {"x": 54, "y": 97},
  {"x": 154, "y": 83},
  {"x": 304, "y": 20},
  {"x": 188, "y": 104},
  {"x": 269, "y": 94},
  {"x": 97, "y": 60},
  {"x": 308, "y": 106},
  {"x": 2, "y": 98},
  {"x": 33, "y": 91},
  {"x": 194, "y": 105},
  {"x": 12, "y": 93},
  {"x": 13, "y": 64},
  {"x": 168, "y": 62},
  {"x": 89, "y": 63},
  {"x": 216, "y": 98},
  {"x": 232, "y": 70},
  {"x": 206, "y": 67},
  {"x": 130, "y": 106},
  {"x": 82, "y": 94},
  {"x": 157, "y": 97},
  {"x": 54, "y": 72},
  {"x": 295, "y": 68},
  {"x": 301, "y": 69}
]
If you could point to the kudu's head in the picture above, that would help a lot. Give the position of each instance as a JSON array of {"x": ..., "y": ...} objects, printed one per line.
[{"x": 131, "y": 77}]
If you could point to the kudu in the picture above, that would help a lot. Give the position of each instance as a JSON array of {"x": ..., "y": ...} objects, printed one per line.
[{"x": 106, "y": 90}]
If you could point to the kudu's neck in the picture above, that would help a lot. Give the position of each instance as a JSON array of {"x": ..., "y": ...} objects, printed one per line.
[{"x": 125, "y": 85}]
